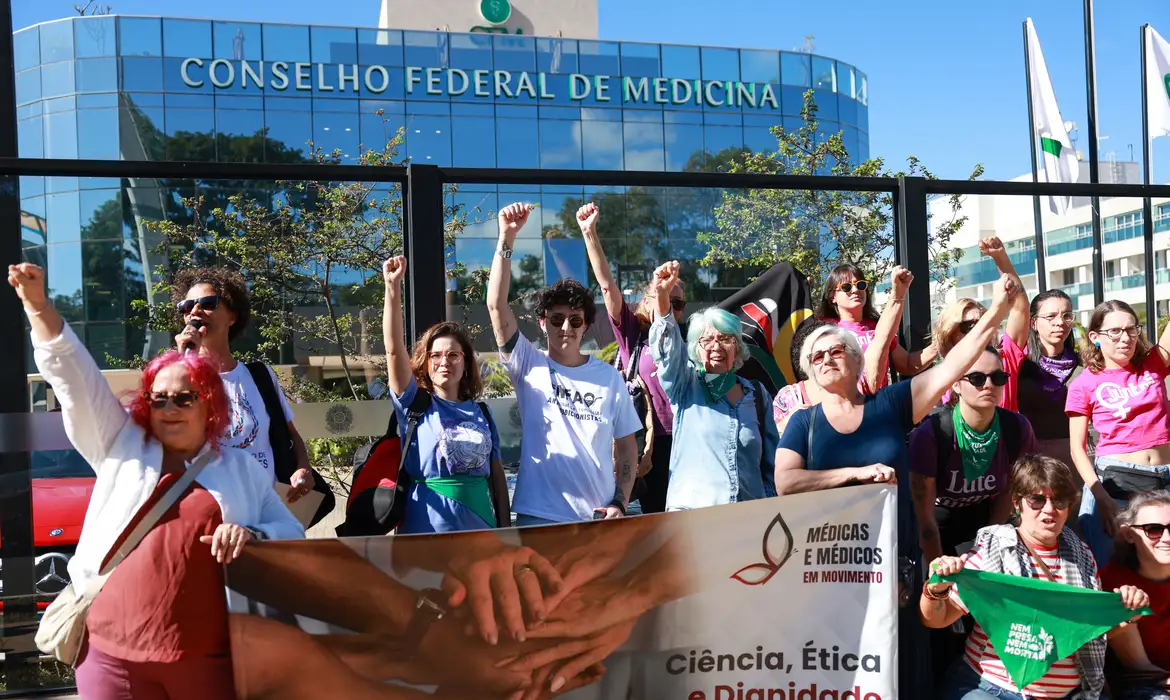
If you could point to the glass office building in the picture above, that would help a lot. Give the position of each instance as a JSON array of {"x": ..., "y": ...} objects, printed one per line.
[{"x": 145, "y": 88}]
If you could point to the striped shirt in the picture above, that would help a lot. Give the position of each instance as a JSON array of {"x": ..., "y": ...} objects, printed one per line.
[{"x": 1061, "y": 679}]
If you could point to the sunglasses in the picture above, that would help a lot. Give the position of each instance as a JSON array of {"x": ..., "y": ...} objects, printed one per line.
[
  {"x": 182, "y": 399},
  {"x": 210, "y": 303},
  {"x": 966, "y": 326},
  {"x": 558, "y": 320},
  {"x": 678, "y": 304},
  {"x": 1036, "y": 501},
  {"x": 978, "y": 379},
  {"x": 836, "y": 352},
  {"x": 848, "y": 287},
  {"x": 1153, "y": 531}
]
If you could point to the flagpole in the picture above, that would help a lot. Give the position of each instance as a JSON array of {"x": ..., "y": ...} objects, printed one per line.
[
  {"x": 1147, "y": 206},
  {"x": 1095, "y": 201},
  {"x": 1038, "y": 234}
]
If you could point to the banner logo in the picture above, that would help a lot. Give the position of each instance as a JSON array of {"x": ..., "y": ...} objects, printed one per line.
[{"x": 778, "y": 548}]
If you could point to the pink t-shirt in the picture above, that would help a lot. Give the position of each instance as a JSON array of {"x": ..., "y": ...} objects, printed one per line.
[
  {"x": 1127, "y": 406},
  {"x": 864, "y": 330}
]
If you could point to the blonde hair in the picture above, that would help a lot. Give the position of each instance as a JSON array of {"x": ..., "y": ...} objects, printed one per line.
[
  {"x": 644, "y": 311},
  {"x": 946, "y": 329}
]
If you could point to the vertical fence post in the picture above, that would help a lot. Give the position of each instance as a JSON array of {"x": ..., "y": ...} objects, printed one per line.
[
  {"x": 913, "y": 253},
  {"x": 426, "y": 254},
  {"x": 16, "y": 534}
]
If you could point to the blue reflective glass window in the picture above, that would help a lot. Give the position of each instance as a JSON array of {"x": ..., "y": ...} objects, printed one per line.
[
  {"x": 379, "y": 47},
  {"x": 64, "y": 274},
  {"x": 102, "y": 282},
  {"x": 235, "y": 134},
  {"x": 288, "y": 134},
  {"x": 333, "y": 45},
  {"x": 28, "y": 111},
  {"x": 471, "y": 109},
  {"x": 514, "y": 53},
  {"x": 862, "y": 88},
  {"x": 862, "y": 145},
  {"x": 334, "y": 131},
  {"x": 187, "y": 38},
  {"x": 792, "y": 100},
  {"x": 473, "y": 142},
  {"x": 852, "y": 143},
  {"x": 720, "y": 64},
  {"x": 97, "y": 134},
  {"x": 238, "y": 102},
  {"x": 379, "y": 130},
  {"x": 681, "y": 62},
  {"x": 517, "y": 143},
  {"x": 32, "y": 221},
  {"x": 101, "y": 215},
  {"x": 57, "y": 41},
  {"x": 237, "y": 40},
  {"x": 428, "y": 139},
  {"x": 145, "y": 135},
  {"x": 190, "y": 134},
  {"x": 139, "y": 36},
  {"x": 286, "y": 43},
  {"x": 32, "y": 185},
  {"x": 846, "y": 110},
  {"x": 684, "y": 147},
  {"x": 826, "y": 104},
  {"x": 757, "y": 135},
  {"x": 132, "y": 269},
  {"x": 173, "y": 81},
  {"x": 846, "y": 80},
  {"x": 824, "y": 73},
  {"x": 862, "y": 121},
  {"x": 26, "y": 48},
  {"x": 93, "y": 37},
  {"x": 142, "y": 75},
  {"x": 720, "y": 138},
  {"x": 60, "y": 135},
  {"x": 480, "y": 208},
  {"x": 103, "y": 99},
  {"x": 425, "y": 49},
  {"x": 57, "y": 79},
  {"x": 759, "y": 66},
  {"x": 601, "y": 145},
  {"x": 469, "y": 52},
  {"x": 30, "y": 141},
  {"x": 796, "y": 69},
  {"x": 560, "y": 144},
  {"x": 641, "y": 60},
  {"x": 97, "y": 75},
  {"x": 61, "y": 104},
  {"x": 63, "y": 217},
  {"x": 556, "y": 56},
  {"x": 61, "y": 184},
  {"x": 196, "y": 101},
  {"x": 598, "y": 58},
  {"x": 28, "y": 86},
  {"x": 644, "y": 146}
]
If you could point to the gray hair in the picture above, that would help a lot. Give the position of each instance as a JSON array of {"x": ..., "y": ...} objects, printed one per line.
[
  {"x": 723, "y": 322},
  {"x": 834, "y": 331}
]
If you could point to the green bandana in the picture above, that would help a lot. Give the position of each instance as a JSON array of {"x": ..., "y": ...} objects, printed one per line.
[
  {"x": 1033, "y": 623},
  {"x": 717, "y": 385},
  {"x": 976, "y": 449}
]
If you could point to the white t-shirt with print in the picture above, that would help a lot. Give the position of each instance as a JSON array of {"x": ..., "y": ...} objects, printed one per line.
[
  {"x": 248, "y": 424},
  {"x": 570, "y": 417}
]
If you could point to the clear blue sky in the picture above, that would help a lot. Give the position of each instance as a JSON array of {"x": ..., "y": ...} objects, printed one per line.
[{"x": 946, "y": 78}]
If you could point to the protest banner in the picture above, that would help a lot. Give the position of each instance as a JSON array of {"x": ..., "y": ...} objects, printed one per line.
[{"x": 789, "y": 598}]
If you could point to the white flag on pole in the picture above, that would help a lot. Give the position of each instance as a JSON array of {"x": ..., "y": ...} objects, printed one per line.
[
  {"x": 1157, "y": 84},
  {"x": 1059, "y": 158}
]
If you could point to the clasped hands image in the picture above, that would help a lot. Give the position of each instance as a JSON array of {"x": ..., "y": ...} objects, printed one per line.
[{"x": 530, "y": 620}]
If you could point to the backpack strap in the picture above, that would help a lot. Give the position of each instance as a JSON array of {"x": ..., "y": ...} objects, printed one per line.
[
  {"x": 285, "y": 462},
  {"x": 628, "y": 373},
  {"x": 487, "y": 415},
  {"x": 812, "y": 424},
  {"x": 943, "y": 423},
  {"x": 414, "y": 415}
]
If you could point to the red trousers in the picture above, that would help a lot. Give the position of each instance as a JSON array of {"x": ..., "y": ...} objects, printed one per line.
[{"x": 102, "y": 677}]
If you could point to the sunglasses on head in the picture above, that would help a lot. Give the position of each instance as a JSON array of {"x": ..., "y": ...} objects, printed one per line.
[
  {"x": 1152, "y": 531},
  {"x": 558, "y": 320},
  {"x": 182, "y": 399},
  {"x": 208, "y": 303},
  {"x": 1036, "y": 501},
  {"x": 836, "y": 352},
  {"x": 848, "y": 287},
  {"x": 978, "y": 379},
  {"x": 966, "y": 326},
  {"x": 678, "y": 304}
]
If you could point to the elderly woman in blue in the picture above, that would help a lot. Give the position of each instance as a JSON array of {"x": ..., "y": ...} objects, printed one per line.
[
  {"x": 454, "y": 457},
  {"x": 721, "y": 453}
]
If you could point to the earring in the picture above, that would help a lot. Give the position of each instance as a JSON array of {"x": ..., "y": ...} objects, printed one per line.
[{"x": 1097, "y": 343}]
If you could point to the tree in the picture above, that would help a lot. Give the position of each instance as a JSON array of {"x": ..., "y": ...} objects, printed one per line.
[{"x": 816, "y": 230}]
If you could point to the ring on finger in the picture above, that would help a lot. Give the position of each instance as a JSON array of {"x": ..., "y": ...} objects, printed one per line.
[{"x": 523, "y": 568}]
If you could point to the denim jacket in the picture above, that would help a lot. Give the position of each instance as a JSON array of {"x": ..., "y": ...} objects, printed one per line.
[{"x": 716, "y": 454}]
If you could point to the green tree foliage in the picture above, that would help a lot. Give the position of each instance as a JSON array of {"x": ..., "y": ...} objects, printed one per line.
[{"x": 816, "y": 230}]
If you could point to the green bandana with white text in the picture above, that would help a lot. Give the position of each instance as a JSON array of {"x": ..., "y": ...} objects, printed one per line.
[
  {"x": 717, "y": 385},
  {"x": 1033, "y": 623},
  {"x": 976, "y": 449}
]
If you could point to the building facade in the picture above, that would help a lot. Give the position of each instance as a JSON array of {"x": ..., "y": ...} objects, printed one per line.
[{"x": 149, "y": 88}]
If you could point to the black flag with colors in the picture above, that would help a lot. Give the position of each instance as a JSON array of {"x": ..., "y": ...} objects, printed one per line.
[{"x": 771, "y": 308}]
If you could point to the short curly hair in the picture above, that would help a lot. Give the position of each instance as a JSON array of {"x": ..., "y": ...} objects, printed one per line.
[
  {"x": 228, "y": 285},
  {"x": 570, "y": 293}
]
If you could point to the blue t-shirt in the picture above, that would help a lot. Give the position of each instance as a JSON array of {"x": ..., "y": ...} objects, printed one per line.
[
  {"x": 452, "y": 438},
  {"x": 881, "y": 438}
]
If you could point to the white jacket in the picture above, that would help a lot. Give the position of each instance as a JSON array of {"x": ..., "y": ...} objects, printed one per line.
[{"x": 128, "y": 463}]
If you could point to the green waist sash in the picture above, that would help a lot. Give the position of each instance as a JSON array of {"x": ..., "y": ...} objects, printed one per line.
[{"x": 467, "y": 490}]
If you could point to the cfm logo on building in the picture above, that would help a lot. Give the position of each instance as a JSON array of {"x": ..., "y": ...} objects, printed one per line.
[
  {"x": 495, "y": 13},
  {"x": 279, "y": 76}
]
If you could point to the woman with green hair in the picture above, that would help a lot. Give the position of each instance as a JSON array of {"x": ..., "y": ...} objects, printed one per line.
[{"x": 724, "y": 436}]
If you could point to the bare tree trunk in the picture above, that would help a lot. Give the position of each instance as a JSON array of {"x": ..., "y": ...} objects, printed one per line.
[{"x": 337, "y": 337}]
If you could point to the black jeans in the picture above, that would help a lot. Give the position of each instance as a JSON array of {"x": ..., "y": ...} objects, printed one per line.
[{"x": 653, "y": 499}]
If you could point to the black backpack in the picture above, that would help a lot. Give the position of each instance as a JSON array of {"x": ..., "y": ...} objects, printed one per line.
[
  {"x": 943, "y": 423},
  {"x": 283, "y": 454}
]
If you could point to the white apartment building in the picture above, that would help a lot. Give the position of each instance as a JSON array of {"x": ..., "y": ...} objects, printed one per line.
[{"x": 1067, "y": 242}]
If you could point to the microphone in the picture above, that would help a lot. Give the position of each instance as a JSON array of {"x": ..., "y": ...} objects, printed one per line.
[{"x": 195, "y": 324}]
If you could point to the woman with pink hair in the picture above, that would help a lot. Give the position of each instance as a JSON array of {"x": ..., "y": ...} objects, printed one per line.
[{"x": 157, "y": 626}]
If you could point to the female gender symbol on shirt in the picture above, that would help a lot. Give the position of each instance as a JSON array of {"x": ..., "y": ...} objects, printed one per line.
[{"x": 1117, "y": 397}]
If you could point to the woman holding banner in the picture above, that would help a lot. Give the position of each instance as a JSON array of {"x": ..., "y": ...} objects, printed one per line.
[
  {"x": 157, "y": 623},
  {"x": 454, "y": 457},
  {"x": 1039, "y": 547}
]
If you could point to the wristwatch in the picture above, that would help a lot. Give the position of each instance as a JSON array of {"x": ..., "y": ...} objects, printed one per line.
[
  {"x": 504, "y": 251},
  {"x": 428, "y": 609}
]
